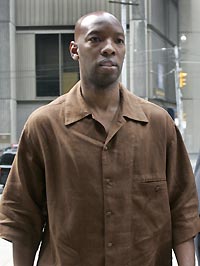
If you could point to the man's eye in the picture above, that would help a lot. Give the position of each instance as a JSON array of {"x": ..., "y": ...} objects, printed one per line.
[
  {"x": 94, "y": 39},
  {"x": 120, "y": 41}
]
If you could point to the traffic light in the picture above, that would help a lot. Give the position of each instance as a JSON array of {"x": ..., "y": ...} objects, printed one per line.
[{"x": 182, "y": 79}]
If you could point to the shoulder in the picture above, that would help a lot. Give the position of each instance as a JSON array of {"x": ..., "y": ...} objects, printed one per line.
[
  {"x": 157, "y": 120},
  {"x": 152, "y": 111},
  {"x": 48, "y": 112},
  {"x": 55, "y": 111}
]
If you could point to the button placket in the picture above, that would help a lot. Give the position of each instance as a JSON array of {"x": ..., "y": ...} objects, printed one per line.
[
  {"x": 113, "y": 221},
  {"x": 108, "y": 195}
]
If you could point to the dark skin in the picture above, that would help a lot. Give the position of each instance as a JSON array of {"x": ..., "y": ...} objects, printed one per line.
[{"x": 99, "y": 47}]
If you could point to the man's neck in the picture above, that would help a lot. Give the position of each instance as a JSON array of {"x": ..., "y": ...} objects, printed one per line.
[
  {"x": 103, "y": 103},
  {"x": 104, "y": 99}
]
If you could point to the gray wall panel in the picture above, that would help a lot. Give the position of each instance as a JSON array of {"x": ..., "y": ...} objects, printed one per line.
[
  {"x": 4, "y": 61},
  {"x": 60, "y": 12},
  {"x": 189, "y": 15},
  {"x": 4, "y": 116},
  {"x": 157, "y": 14},
  {"x": 25, "y": 69},
  {"x": 7, "y": 73},
  {"x": 173, "y": 22},
  {"x": 5, "y": 10}
]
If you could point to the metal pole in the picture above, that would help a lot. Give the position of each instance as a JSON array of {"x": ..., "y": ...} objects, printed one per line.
[{"x": 123, "y": 4}]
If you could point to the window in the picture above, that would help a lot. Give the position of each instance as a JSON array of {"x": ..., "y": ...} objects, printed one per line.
[
  {"x": 47, "y": 65},
  {"x": 56, "y": 71}
]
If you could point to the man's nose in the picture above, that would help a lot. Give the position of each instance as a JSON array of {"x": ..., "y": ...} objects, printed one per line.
[{"x": 108, "y": 48}]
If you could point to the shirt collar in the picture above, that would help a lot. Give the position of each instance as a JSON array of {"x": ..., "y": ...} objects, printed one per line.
[
  {"x": 132, "y": 105},
  {"x": 76, "y": 108}
]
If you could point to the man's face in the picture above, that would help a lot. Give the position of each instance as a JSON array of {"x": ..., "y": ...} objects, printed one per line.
[{"x": 101, "y": 49}]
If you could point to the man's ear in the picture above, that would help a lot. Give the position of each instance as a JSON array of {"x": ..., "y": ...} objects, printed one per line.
[{"x": 73, "y": 47}]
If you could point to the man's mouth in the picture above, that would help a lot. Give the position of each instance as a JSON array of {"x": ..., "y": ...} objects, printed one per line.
[{"x": 107, "y": 63}]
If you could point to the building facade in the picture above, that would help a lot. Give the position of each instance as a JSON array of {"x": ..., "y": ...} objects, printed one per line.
[
  {"x": 36, "y": 66},
  {"x": 189, "y": 27}
]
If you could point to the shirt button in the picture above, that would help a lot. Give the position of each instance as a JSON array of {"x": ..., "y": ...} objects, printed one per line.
[
  {"x": 157, "y": 188},
  {"x": 108, "y": 213},
  {"x": 110, "y": 244},
  {"x": 108, "y": 183},
  {"x": 105, "y": 148}
]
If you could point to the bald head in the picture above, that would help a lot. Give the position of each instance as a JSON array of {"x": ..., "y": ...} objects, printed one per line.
[
  {"x": 99, "y": 47},
  {"x": 95, "y": 17}
]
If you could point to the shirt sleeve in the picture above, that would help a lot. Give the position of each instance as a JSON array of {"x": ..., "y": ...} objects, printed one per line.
[
  {"x": 182, "y": 191},
  {"x": 22, "y": 207}
]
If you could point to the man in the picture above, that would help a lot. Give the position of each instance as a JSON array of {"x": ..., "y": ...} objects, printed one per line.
[{"x": 101, "y": 177}]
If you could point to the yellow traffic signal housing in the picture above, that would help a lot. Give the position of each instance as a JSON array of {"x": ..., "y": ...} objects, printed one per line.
[{"x": 182, "y": 79}]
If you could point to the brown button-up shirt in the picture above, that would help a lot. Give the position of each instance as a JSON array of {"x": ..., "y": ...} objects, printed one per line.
[{"x": 94, "y": 199}]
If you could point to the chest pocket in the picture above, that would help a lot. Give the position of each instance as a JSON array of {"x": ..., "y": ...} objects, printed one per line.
[{"x": 150, "y": 208}]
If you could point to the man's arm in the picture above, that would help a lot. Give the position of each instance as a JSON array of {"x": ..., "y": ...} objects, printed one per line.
[
  {"x": 185, "y": 253},
  {"x": 23, "y": 255}
]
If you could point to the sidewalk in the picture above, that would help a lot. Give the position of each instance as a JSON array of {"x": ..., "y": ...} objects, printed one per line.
[
  {"x": 6, "y": 253},
  {"x": 193, "y": 159}
]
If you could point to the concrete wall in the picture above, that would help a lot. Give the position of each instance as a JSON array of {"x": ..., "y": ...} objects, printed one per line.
[{"x": 7, "y": 73}]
